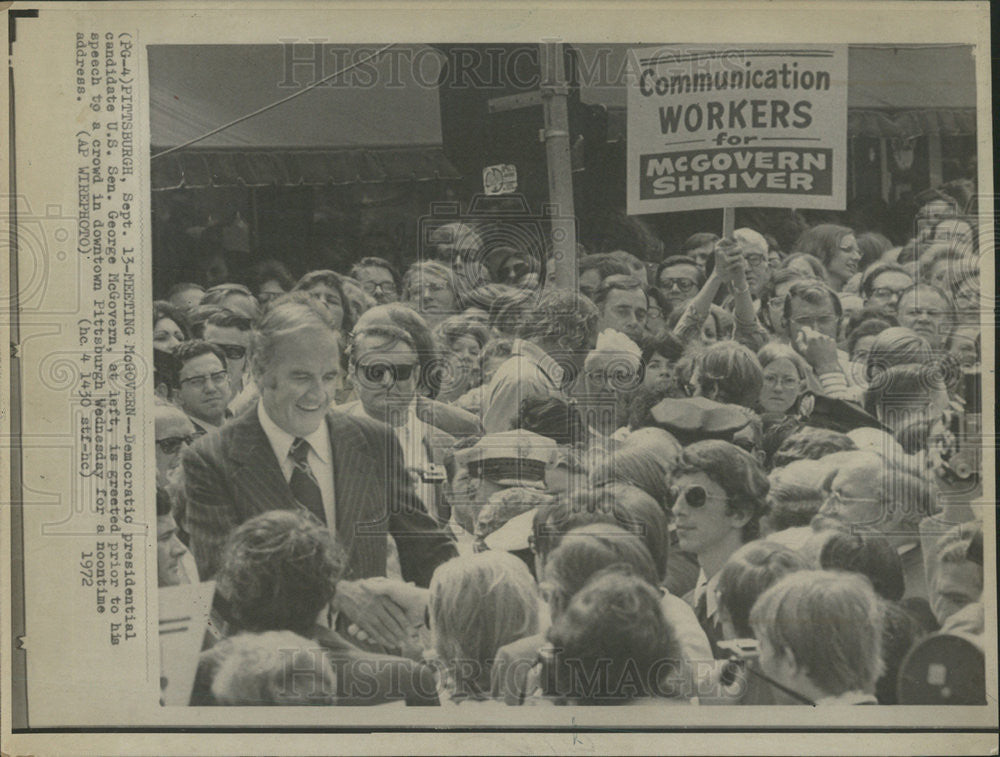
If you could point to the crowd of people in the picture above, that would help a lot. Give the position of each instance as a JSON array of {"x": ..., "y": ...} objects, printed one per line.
[{"x": 736, "y": 475}]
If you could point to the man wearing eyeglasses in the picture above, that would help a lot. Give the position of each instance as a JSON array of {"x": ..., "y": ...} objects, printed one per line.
[
  {"x": 867, "y": 493},
  {"x": 680, "y": 278},
  {"x": 385, "y": 371},
  {"x": 174, "y": 431},
  {"x": 203, "y": 384},
  {"x": 881, "y": 286},
  {"x": 292, "y": 452},
  {"x": 811, "y": 318},
  {"x": 378, "y": 278},
  {"x": 231, "y": 334}
]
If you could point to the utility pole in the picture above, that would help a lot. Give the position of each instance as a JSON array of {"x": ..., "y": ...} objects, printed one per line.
[{"x": 555, "y": 92}]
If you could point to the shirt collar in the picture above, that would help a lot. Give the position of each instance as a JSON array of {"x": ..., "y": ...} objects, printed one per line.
[
  {"x": 281, "y": 440},
  {"x": 541, "y": 358}
]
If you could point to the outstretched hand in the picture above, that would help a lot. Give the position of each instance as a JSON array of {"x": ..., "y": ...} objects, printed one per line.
[{"x": 369, "y": 605}]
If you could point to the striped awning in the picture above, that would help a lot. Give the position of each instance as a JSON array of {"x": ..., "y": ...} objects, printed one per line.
[{"x": 194, "y": 168}]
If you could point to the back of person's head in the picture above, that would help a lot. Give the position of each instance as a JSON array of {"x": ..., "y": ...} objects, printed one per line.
[
  {"x": 478, "y": 603},
  {"x": 458, "y": 326},
  {"x": 551, "y": 417},
  {"x": 660, "y": 441},
  {"x": 896, "y": 346},
  {"x": 737, "y": 472},
  {"x": 810, "y": 443},
  {"x": 286, "y": 315},
  {"x": 279, "y": 569},
  {"x": 729, "y": 372},
  {"x": 872, "y": 556},
  {"x": 899, "y": 396},
  {"x": 635, "y": 510},
  {"x": 795, "y": 495},
  {"x": 748, "y": 573},
  {"x": 831, "y": 624},
  {"x": 587, "y": 549},
  {"x": 272, "y": 668},
  {"x": 508, "y": 309},
  {"x": 613, "y": 643},
  {"x": 562, "y": 318},
  {"x": 637, "y": 465}
]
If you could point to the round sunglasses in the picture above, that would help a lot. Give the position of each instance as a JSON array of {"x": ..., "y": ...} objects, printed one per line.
[{"x": 694, "y": 497}]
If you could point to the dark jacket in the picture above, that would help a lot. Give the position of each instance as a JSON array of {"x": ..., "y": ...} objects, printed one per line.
[{"x": 231, "y": 475}]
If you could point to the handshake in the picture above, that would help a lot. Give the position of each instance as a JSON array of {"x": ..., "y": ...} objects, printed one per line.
[{"x": 384, "y": 611}]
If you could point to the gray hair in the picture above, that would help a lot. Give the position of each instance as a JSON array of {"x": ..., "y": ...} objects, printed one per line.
[{"x": 286, "y": 315}]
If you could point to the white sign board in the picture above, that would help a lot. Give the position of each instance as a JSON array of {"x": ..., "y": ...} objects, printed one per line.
[{"x": 731, "y": 126}]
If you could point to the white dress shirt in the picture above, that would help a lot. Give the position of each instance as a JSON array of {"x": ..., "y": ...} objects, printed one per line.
[
  {"x": 411, "y": 436},
  {"x": 706, "y": 586},
  {"x": 320, "y": 458}
]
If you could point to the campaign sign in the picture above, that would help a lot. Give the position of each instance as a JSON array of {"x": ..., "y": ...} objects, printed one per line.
[{"x": 715, "y": 127}]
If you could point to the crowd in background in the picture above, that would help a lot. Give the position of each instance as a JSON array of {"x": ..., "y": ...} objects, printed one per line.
[{"x": 736, "y": 475}]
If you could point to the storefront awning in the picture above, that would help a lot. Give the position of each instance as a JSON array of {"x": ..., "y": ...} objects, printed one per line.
[
  {"x": 199, "y": 169},
  {"x": 946, "y": 122}
]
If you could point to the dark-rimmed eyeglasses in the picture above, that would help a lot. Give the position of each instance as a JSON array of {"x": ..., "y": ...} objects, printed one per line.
[
  {"x": 171, "y": 445},
  {"x": 200, "y": 382},
  {"x": 682, "y": 285},
  {"x": 371, "y": 287}
]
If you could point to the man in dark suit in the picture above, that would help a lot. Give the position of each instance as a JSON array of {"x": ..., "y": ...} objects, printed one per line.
[
  {"x": 291, "y": 451},
  {"x": 385, "y": 370}
]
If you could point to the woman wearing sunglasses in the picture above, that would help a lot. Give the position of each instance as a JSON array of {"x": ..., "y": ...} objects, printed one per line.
[{"x": 719, "y": 495}]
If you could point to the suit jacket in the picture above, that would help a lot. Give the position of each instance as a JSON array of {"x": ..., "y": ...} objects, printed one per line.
[
  {"x": 438, "y": 444},
  {"x": 231, "y": 475}
]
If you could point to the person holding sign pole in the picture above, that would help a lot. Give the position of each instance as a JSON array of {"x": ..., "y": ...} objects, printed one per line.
[{"x": 730, "y": 267}]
